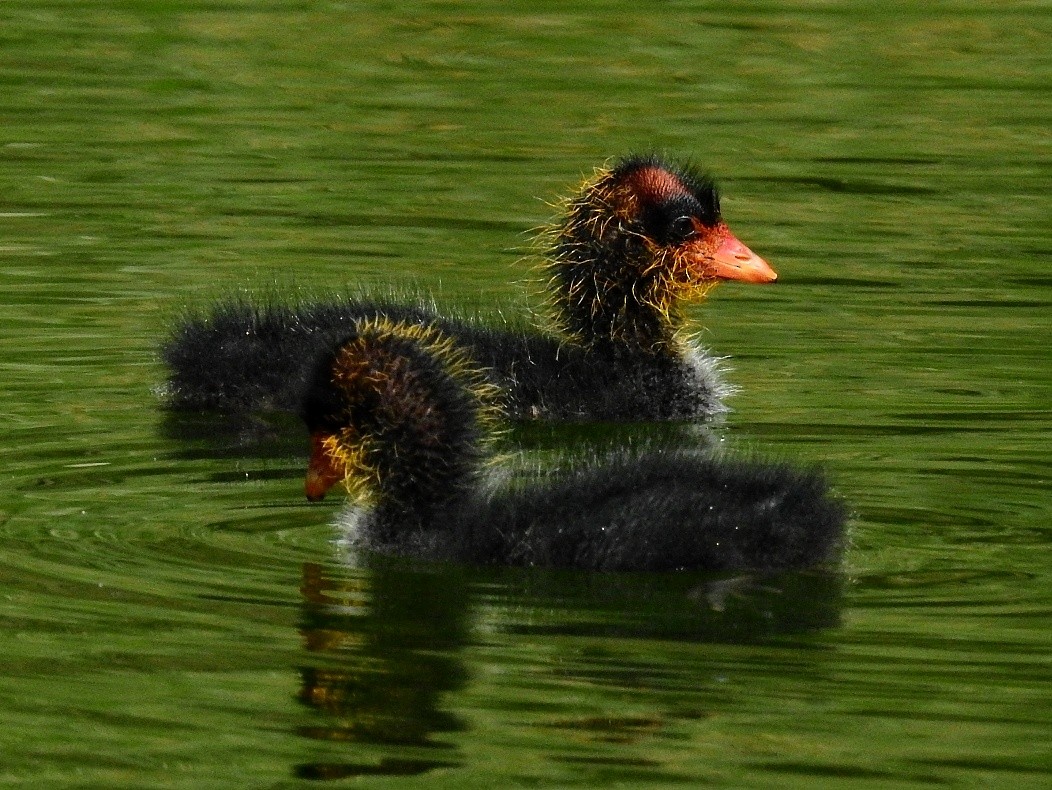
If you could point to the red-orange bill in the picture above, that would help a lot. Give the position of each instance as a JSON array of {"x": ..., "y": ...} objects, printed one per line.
[
  {"x": 734, "y": 261},
  {"x": 322, "y": 472}
]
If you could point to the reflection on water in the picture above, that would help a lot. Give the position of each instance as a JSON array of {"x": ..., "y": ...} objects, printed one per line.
[
  {"x": 385, "y": 646},
  {"x": 383, "y": 651},
  {"x": 682, "y": 606}
]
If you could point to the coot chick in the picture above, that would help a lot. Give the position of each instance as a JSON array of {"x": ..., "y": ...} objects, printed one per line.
[
  {"x": 402, "y": 415},
  {"x": 633, "y": 244}
]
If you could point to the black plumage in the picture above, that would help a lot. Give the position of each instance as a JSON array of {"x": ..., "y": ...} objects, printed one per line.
[
  {"x": 402, "y": 416},
  {"x": 632, "y": 245}
]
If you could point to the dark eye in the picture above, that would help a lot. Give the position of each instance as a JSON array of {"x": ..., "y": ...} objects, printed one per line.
[{"x": 681, "y": 228}]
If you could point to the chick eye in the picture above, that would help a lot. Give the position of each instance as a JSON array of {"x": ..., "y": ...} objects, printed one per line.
[{"x": 681, "y": 228}]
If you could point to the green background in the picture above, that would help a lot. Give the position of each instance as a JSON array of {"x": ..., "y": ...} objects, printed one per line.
[{"x": 893, "y": 165}]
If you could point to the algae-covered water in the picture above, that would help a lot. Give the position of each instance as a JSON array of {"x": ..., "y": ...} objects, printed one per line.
[{"x": 172, "y": 614}]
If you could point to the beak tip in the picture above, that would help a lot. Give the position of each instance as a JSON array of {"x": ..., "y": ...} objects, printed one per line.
[
  {"x": 322, "y": 470},
  {"x": 315, "y": 488},
  {"x": 734, "y": 261}
]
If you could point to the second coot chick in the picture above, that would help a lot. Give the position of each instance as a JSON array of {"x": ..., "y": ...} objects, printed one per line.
[{"x": 402, "y": 416}]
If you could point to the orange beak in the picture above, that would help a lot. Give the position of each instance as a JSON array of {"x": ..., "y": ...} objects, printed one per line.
[
  {"x": 734, "y": 261},
  {"x": 322, "y": 471}
]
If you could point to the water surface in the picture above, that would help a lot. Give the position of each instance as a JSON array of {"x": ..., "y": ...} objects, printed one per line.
[{"x": 172, "y": 615}]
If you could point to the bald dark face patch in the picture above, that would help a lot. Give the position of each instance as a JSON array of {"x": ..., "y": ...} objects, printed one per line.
[
  {"x": 674, "y": 207},
  {"x": 655, "y": 185}
]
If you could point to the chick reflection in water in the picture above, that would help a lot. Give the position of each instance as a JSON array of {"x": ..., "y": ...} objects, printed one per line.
[
  {"x": 382, "y": 650},
  {"x": 403, "y": 417}
]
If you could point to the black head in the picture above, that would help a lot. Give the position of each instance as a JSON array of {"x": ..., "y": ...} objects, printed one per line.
[
  {"x": 673, "y": 203},
  {"x": 636, "y": 241},
  {"x": 396, "y": 411}
]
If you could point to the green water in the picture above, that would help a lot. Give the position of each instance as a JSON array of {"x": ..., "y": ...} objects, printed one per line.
[{"x": 173, "y": 615}]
